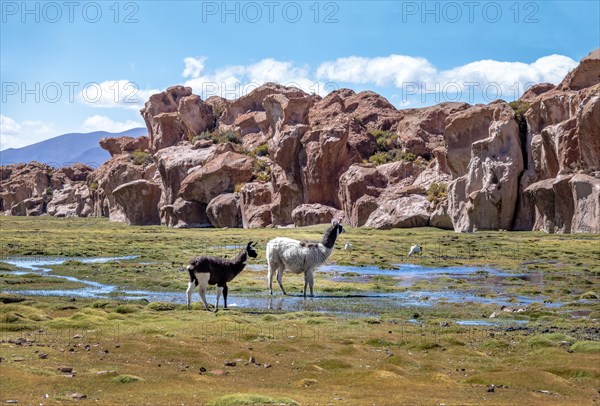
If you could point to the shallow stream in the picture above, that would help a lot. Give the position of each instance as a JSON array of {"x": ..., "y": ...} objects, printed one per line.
[{"x": 489, "y": 289}]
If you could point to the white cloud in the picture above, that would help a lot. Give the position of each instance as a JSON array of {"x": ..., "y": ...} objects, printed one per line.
[
  {"x": 104, "y": 123},
  {"x": 381, "y": 71},
  {"x": 415, "y": 76},
  {"x": 8, "y": 126},
  {"x": 193, "y": 67},
  {"x": 504, "y": 79},
  {"x": 115, "y": 94},
  {"x": 237, "y": 80},
  {"x": 15, "y": 134}
]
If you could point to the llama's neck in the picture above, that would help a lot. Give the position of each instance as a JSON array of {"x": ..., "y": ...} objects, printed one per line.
[
  {"x": 329, "y": 238},
  {"x": 240, "y": 261}
]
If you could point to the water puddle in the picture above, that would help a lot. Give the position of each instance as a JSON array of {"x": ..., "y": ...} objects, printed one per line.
[
  {"x": 483, "y": 322},
  {"x": 364, "y": 303}
]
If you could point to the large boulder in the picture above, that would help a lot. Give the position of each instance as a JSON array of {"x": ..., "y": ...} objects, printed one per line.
[
  {"x": 224, "y": 211},
  {"x": 483, "y": 194},
  {"x": 184, "y": 214},
  {"x": 33, "y": 206},
  {"x": 139, "y": 202},
  {"x": 311, "y": 214},
  {"x": 196, "y": 116},
  {"x": 174, "y": 164},
  {"x": 365, "y": 187},
  {"x": 462, "y": 130},
  {"x": 24, "y": 181},
  {"x": 586, "y": 197},
  {"x": 73, "y": 200},
  {"x": 422, "y": 130},
  {"x": 103, "y": 181},
  {"x": 219, "y": 175},
  {"x": 253, "y": 101},
  {"x": 255, "y": 204},
  {"x": 325, "y": 156},
  {"x": 288, "y": 120},
  {"x": 123, "y": 145},
  {"x": 162, "y": 119},
  {"x": 586, "y": 74},
  {"x": 409, "y": 211}
]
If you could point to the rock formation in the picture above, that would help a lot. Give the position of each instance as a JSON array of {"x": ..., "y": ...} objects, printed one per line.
[{"x": 278, "y": 156}]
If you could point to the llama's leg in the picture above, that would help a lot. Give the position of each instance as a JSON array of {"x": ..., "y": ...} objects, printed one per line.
[
  {"x": 202, "y": 291},
  {"x": 225, "y": 290},
  {"x": 219, "y": 291},
  {"x": 189, "y": 291},
  {"x": 202, "y": 286},
  {"x": 311, "y": 281},
  {"x": 270, "y": 278},
  {"x": 305, "y": 282},
  {"x": 280, "y": 279}
]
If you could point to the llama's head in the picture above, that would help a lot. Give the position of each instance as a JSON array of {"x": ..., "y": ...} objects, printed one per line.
[
  {"x": 337, "y": 226},
  {"x": 250, "y": 250}
]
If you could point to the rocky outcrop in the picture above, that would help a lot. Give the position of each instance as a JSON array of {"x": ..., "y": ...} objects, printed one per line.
[
  {"x": 253, "y": 101},
  {"x": 326, "y": 155},
  {"x": 184, "y": 214},
  {"x": 73, "y": 200},
  {"x": 174, "y": 164},
  {"x": 139, "y": 202},
  {"x": 586, "y": 201},
  {"x": 366, "y": 188},
  {"x": 123, "y": 145},
  {"x": 21, "y": 182},
  {"x": 255, "y": 204},
  {"x": 219, "y": 175},
  {"x": 586, "y": 74},
  {"x": 422, "y": 130},
  {"x": 224, "y": 211},
  {"x": 109, "y": 176},
  {"x": 408, "y": 211},
  {"x": 563, "y": 141},
  {"x": 567, "y": 204},
  {"x": 195, "y": 115},
  {"x": 34, "y": 189},
  {"x": 311, "y": 214},
  {"x": 301, "y": 159},
  {"x": 483, "y": 194},
  {"x": 174, "y": 115}
]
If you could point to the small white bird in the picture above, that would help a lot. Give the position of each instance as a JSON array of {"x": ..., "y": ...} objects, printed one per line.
[
  {"x": 348, "y": 247},
  {"x": 415, "y": 249}
]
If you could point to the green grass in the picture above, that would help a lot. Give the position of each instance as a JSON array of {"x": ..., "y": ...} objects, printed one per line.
[
  {"x": 314, "y": 357},
  {"x": 249, "y": 399}
]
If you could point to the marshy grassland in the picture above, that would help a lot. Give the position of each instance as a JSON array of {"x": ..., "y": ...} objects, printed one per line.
[{"x": 359, "y": 342}]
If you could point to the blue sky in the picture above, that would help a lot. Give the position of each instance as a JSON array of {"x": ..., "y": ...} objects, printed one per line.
[{"x": 85, "y": 66}]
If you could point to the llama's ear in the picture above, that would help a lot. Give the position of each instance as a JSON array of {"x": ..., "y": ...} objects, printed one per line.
[
  {"x": 334, "y": 222},
  {"x": 254, "y": 245}
]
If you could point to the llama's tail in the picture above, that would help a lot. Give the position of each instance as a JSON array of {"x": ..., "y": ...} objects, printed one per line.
[{"x": 193, "y": 277}]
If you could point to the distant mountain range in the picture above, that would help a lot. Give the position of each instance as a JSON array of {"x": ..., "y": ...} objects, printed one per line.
[{"x": 67, "y": 149}]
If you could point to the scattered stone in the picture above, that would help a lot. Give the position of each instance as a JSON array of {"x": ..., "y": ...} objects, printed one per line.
[
  {"x": 491, "y": 388},
  {"x": 252, "y": 360},
  {"x": 230, "y": 363},
  {"x": 494, "y": 315},
  {"x": 11, "y": 401},
  {"x": 66, "y": 370},
  {"x": 202, "y": 370},
  {"x": 266, "y": 365},
  {"x": 78, "y": 336},
  {"x": 389, "y": 352},
  {"x": 78, "y": 396},
  {"x": 43, "y": 355},
  {"x": 219, "y": 372}
]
